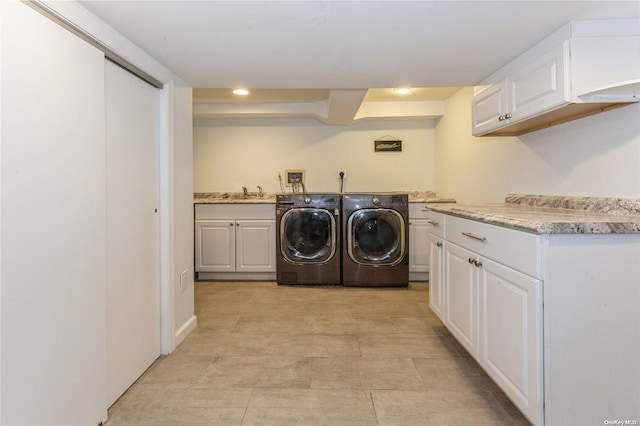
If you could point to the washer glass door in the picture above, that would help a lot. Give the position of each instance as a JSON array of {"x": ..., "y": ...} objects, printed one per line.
[
  {"x": 307, "y": 235},
  {"x": 376, "y": 237}
]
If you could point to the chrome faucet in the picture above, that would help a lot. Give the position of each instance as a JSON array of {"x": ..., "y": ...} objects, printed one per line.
[
  {"x": 245, "y": 193},
  {"x": 260, "y": 193}
]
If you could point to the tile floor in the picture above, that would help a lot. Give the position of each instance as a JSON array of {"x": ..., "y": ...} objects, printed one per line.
[{"x": 265, "y": 354}]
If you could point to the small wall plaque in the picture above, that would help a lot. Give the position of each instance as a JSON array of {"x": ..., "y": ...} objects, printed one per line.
[{"x": 387, "y": 145}]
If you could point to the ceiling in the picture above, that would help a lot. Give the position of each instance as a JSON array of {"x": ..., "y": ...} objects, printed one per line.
[{"x": 320, "y": 58}]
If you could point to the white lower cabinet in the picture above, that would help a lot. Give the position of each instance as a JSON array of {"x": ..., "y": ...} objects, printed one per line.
[
  {"x": 552, "y": 318},
  {"x": 237, "y": 247},
  {"x": 493, "y": 310}
]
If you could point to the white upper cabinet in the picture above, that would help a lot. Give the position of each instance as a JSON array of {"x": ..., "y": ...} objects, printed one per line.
[
  {"x": 582, "y": 69},
  {"x": 539, "y": 86},
  {"x": 489, "y": 108}
]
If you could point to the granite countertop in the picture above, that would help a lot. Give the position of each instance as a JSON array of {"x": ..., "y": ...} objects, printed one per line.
[
  {"x": 270, "y": 197},
  {"x": 426, "y": 197},
  {"x": 554, "y": 214},
  {"x": 233, "y": 198}
]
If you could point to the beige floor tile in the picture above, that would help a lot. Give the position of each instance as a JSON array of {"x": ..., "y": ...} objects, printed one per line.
[
  {"x": 364, "y": 373},
  {"x": 456, "y": 371},
  {"x": 452, "y": 406},
  {"x": 269, "y": 325},
  {"x": 310, "y": 406},
  {"x": 259, "y": 372},
  {"x": 181, "y": 370},
  {"x": 317, "y": 345},
  {"x": 180, "y": 417},
  {"x": 295, "y": 416},
  {"x": 402, "y": 344}
]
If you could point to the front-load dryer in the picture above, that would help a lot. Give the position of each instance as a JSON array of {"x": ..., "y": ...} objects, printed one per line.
[
  {"x": 375, "y": 240},
  {"x": 308, "y": 239}
]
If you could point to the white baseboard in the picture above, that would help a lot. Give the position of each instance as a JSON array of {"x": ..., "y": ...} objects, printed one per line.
[
  {"x": 186, "y": 328},
  {"x": 236, "y": 276},
  {"x": 418, "y": 276}
]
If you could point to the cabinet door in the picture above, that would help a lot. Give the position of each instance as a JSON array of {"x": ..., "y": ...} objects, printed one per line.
[
  {"x": 436, "y": 294},
  {"x": 511, "y": 335},
  {"x": 488, "y": 107},
  {"x": 539, "y": 86},
  {"x": 255, "y": 246},
  {"x": 460, "y": 291},
  {"x": 418, "y": 245},
  {"x": 215, "y": 246}
]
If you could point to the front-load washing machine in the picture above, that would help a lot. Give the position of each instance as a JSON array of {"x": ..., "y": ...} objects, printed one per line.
[
  {"x": 308, "y": 239},
  {"x": 375, "y": 240}
]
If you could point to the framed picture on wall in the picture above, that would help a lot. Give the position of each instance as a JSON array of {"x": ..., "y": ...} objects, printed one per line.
[{"x": 386, "y": 144}]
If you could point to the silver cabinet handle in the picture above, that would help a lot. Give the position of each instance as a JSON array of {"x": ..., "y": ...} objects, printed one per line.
[
  {"x": 431, "y": 222},
  {"x": 507, "y": 116},
  {"x": 475, "y": 263},
  {"x": 475, "y": 237},
  {"x": 501, "y": 118}
]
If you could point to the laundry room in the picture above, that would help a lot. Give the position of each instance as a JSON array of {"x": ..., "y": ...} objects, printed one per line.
[{"x": 415, "y": 213}]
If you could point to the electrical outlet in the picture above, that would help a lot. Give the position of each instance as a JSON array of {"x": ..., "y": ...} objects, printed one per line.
[
  {"x": 342, "y": 174},
  {"x": 183, "y": 279}
]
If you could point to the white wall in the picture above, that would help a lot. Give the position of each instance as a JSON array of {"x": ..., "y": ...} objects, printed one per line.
[
  {"x": 231, "y": 153},
  {"x": 184, "y": 319},
  {"x": 53, "y": 224},
  {"x": 595, "y": 156}
]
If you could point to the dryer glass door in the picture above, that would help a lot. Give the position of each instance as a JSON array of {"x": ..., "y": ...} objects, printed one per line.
[
  {"x": 307, "y": 235},
  {"x": 376, "y": 237}
]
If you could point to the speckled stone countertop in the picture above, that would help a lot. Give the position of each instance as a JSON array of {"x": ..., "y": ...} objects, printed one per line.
[
  {"x": 270, "y": 197},
  {"x": 233, "y": 198},
  {"x": 554, "y": 214},
  {"x": 426, "y": 197}
]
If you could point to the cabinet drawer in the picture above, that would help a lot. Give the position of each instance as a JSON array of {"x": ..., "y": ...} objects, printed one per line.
[
  {"x": 516, "y": 249},
  {"x": 235, "y": 211},
  {"x": 416, "y": 210},
  {"x": 436, "y": 223}
]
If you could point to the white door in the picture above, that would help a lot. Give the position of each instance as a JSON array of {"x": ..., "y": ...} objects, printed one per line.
[
  {"x": 255, "y": 245},
  {"x": 461, "y": 290},
  {"x": 511, "y": 330},
  {"x": 133, "y": 283},
  {"x": 539, "y": 86},
  {"x": 53, "y": 223},
  {"x": 436, "y": 276},
  {"x": 418, "y": 245},
  {"x": 215, "y": 245},
  {"x": 487, "y": 108}
]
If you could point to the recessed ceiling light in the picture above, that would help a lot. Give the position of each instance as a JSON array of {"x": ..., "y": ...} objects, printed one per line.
[
  {"x": 241, "y": 92},
  {"x": 402, "y": 90}
]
